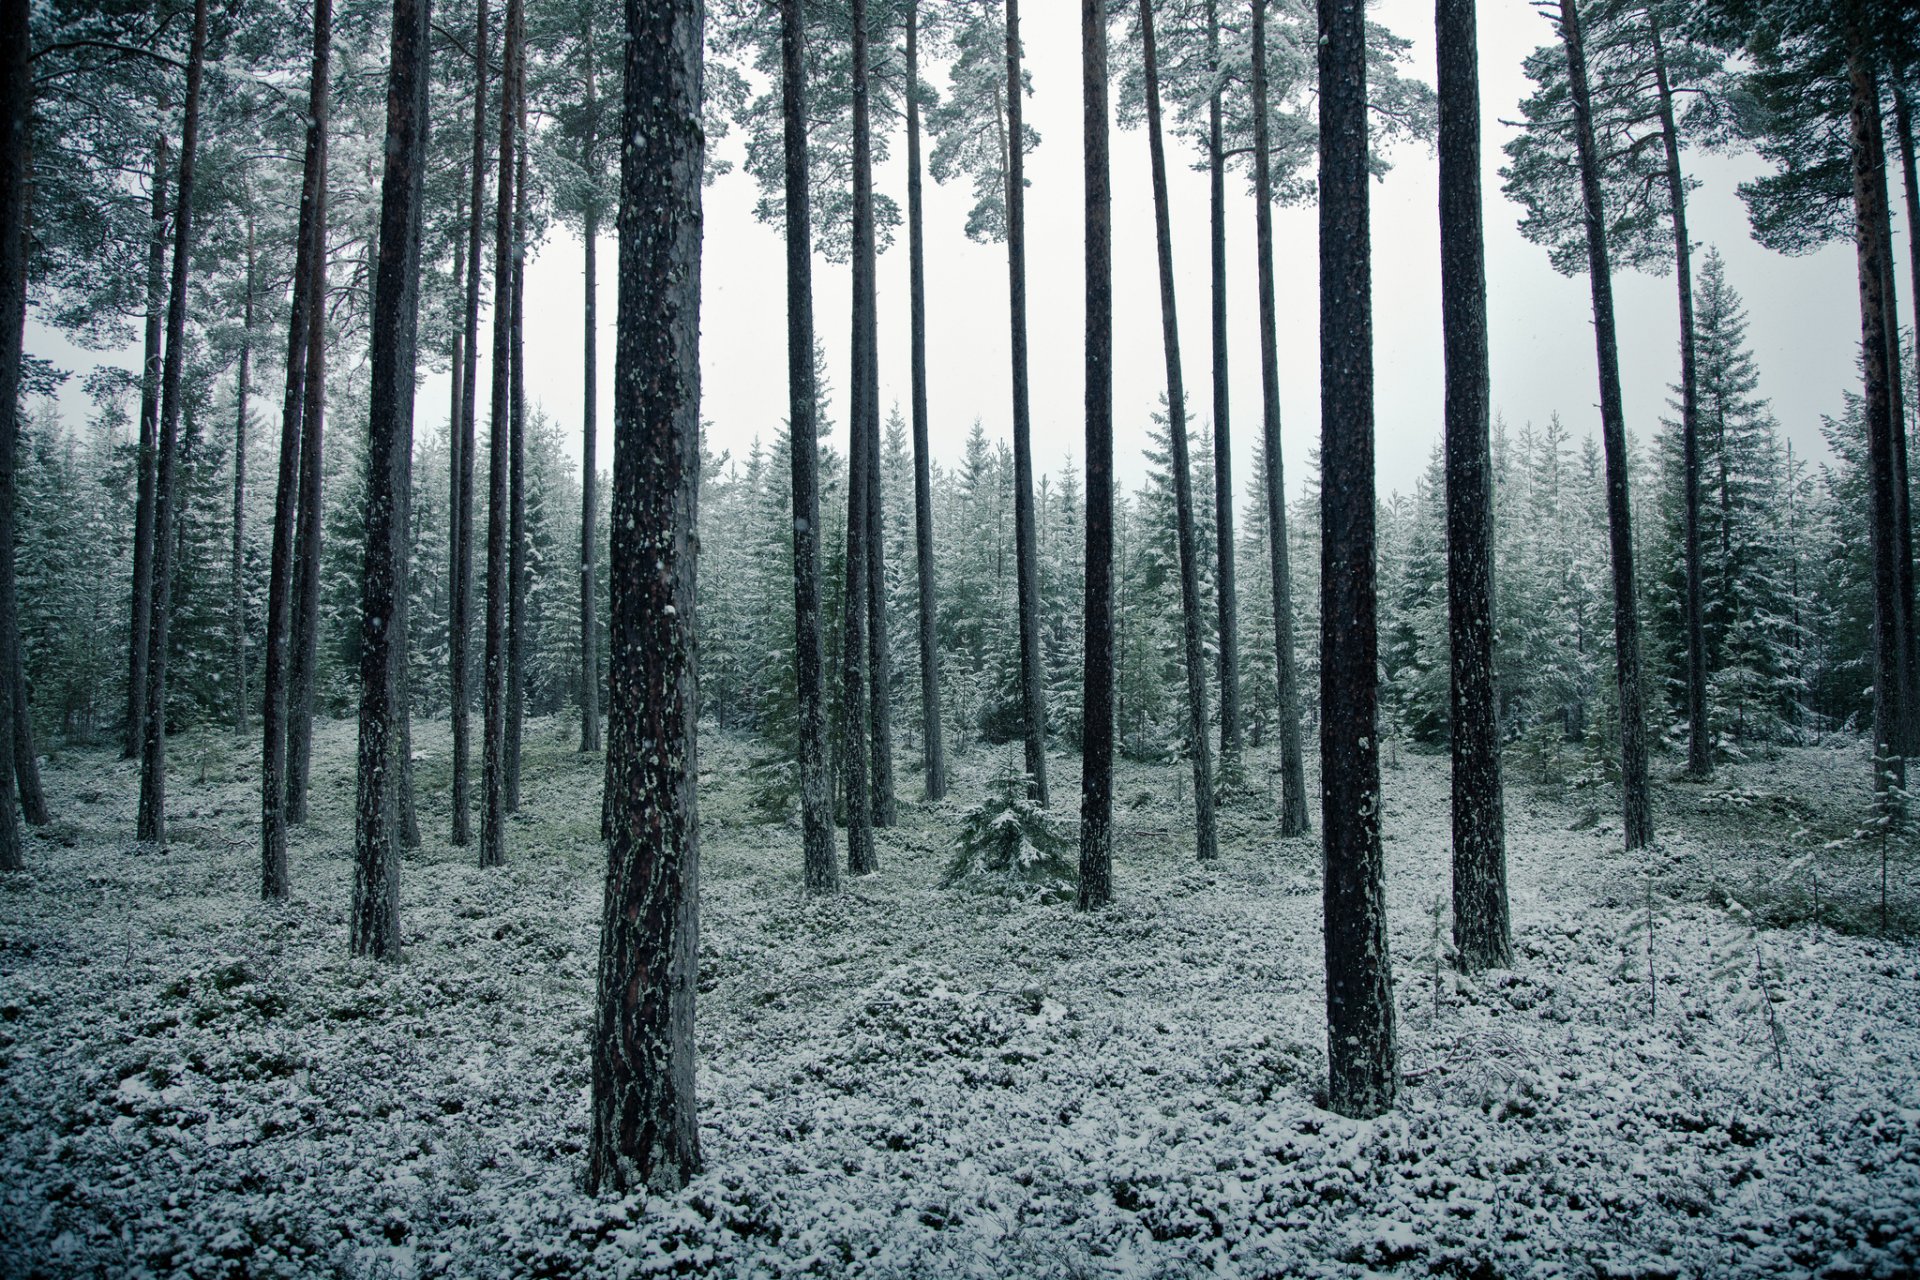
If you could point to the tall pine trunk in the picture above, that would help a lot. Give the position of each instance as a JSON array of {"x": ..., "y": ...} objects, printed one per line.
[
  {"x": 152, "y": 820},
  {"x": 1635, "y": 797},
  {"x": 1482, "y": 932},
  {"x": 1026, "y": 538},
  {"x": 1870, "y": 245},
  {"x": 932, "y": 738},
  {"x": 867, "y": 369},
  {"x": 16, "y": 136},
  {"x": 822, "y": 872},
  {"x": 142, "y": 606},
  {"x": 590, "y": 420},
  {"x": 308, "y": 289},
  {"x": 1294, "y": 813},
  {"x": 1910, "y": 181},
  {"x": 645, "y": 1134},
  {"x": 383, "y": 649},
  {"x": 493, "y": 734},
  {"x": 857, "y": 708},
  {"x": 460, "y": 509},
  {"x": 1362, "y": 1076},
  {"x": 517, "y": 447},
  {"x": 1197, "y": 738},
  {"x": 1096, "y": 690},
  {"x": 237, "y": 603},
  {"x": 1699, "y": 730},
  {"x": 1227, "y": 593},
  {"x": 1909, "y": 742},
  {"x": 309, "y": 523}
]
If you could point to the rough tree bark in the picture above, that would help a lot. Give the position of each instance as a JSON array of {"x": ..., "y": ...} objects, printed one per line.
[
  {"x": 493, "y": 732},
  {"x": 1910, "y": 181},
  {"x": 1226, "y": 589},
  {"x": 1096, "y": 734},
  {"x": 460, "y": 543},
  {"x": 1482, "y": 934},
  {"x": 1294, "y": 813},
  {"x": 857, "y": 707},
  {"x": 16, "y": 134},
  {"x": 152, "y": 819},
  {"x": 645, "y": 1135},
  {"x": 822, "y": 871},
  {"x": 307, "y": 281},
  {"x": 1909, "y": 630},
  {"x": 1635, "y": 797},
  {"x": 866, "y": 357},
  {"x": 304, "y": 653},
  {"x": 1026, "y": 538},
  {"x": 144, "y": 455},
  {"x": 237, "y": 604},
  {"x": 590, "y": 420},
  {"x": 1362, "y": 1078},
  {"x": 383, "y": 651},
  {"x": 932, "y": 738},
  {"x": 1198, "y": 742},
  {"x": 517, "y": 442}
]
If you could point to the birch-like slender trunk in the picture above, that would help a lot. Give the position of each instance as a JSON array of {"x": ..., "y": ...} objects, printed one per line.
[
  {"x": 144, "y": 455},
  {"x": 460, "y": 509}
]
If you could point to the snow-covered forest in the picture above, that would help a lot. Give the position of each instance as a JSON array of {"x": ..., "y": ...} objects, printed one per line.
[{"x": 873, "y": 847}]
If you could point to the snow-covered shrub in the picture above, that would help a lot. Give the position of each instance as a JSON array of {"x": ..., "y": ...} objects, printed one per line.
[{"x": 1008, "y": 844}]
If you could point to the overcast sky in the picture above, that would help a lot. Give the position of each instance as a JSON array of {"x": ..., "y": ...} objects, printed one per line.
[{"x": 1804, "y": 311}]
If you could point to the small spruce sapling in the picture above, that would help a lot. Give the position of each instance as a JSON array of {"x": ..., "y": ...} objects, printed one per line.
[
  {"x": 1732, "y": 949},
  {"x": 1007, "y": 843},
  {"x": 1442, "y": 956},
  {"x": 1641, "y": 932}
]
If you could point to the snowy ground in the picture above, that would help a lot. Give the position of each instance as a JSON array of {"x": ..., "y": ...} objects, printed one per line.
[{"x": 914, "y": 1081}]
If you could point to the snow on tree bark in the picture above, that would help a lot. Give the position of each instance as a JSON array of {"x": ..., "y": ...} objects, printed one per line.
[
  {"x": 933, "y": 745},
  {"x": 1362, "y": 1076},
  {"x": 1294, "y": 814},
  {"x": 152, "y": 818},
  {"x": 393, "y": 331},
  {"x": 1096, "y": 698},
  {"x": 1198, "y": 743},
  {"x": 1482, "y": 933},
  {"x": 645, "y": 1135},
  {"x": 821, "y": 869},
  {"x": 1635, "y": 796},
  {"x": 308, "y": 282}
]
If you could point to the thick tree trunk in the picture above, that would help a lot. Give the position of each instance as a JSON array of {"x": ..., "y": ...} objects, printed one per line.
[
  {"x": 1362, "y": 1075},
  {"x": 1096, "y": 696},
  {"x": 517, "y": 453},
  {"x": 493, "y": 734},
  {"x": 16, "y": 136},
  {"x": 142, "y": 608},
  {"x": 1699, "y": 730},
  {"x": 1226, "y": 589},
  {"x": 1870, "y": 241},
  {"x": 460, "y": 510},
  {"x": 822, "y": 872},
  {"x": 931, "y": 735},
  {"x": 1026, "y": 539},
  {"x": 1909, "y": 742},
  {"x": 1903, "y": 122},
  {"x": 1635, "y": 797},
  {"x": 589, "y": 447},
  {"x": 866, "y": 353},
  {"x": 1198, "y": 742},
  {"x": 309, "y": 524},
  {"x": 152, "y": 820},
  {"x": 1294, "y": 812},
  {"x": 308, "y": 282},
  {"x": 645, "y": 1134},
  {"x": 237, "y": 606},
  {"x": 857, "y": 708},
  {"x": 383, "y": 649},
  {"x": 1482, "y": 933}
]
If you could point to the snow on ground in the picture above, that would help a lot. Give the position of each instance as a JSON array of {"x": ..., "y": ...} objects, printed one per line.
[{"x": 914, "y": 1081}]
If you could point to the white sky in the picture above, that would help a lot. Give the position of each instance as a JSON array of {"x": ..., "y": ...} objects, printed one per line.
[{"x": 1803, "y": 311}]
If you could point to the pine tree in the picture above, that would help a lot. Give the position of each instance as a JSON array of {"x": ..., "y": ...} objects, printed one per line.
[
  {"x": 1096, "y": 740},
  {"x": 16, "y": 108}
]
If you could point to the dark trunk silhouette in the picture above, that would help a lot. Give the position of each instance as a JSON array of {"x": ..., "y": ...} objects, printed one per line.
[
  {"x": 152, "y": 820},
  {"x": 857, "y": 706},
  {"x": 1909, "y": 723},
  {"x": 308, "y": 280},
  {"x": 517, "y": 447},
  {"x": 1482, "y": 933},
  {"x": 1225, "y": 588},
  {"x": 589, "y": 422},
  {"x": 142, "y": 610},
  {"x": 16, "y": 136},
  {"x": 822, "y": 871},
  {"x": 1635, "y": 798},
  {"x": 1026, "y": 539},
  {"x": 460, "y": 508},
  {"x": 1910, "y": 182},
  {"x": 237, "y": 603},
  {"x": 932, "y": 739},
  {"x": 645, "y": 1135},
  {"x": 1362, "y": 1076},
  {"x": 1294, "y": 812},
  {"x": 1096, "y": 697},
  {"x": 1198, "y": 743},
  {"x": 493, "y": 732},
  {"x": 305, "y": 646},
  {"x": 383, "y": 642}
]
